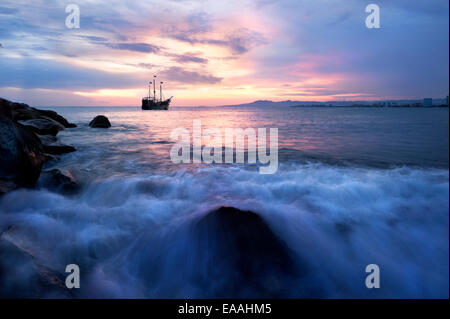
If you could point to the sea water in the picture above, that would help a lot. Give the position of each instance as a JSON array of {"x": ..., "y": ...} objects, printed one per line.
[{"x": 354, "y": 186}]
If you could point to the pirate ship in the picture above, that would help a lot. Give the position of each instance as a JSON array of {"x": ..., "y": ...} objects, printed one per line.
[{"x": 152, "y": 102}]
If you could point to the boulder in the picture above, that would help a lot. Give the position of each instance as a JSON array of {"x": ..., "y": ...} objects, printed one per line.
[
  {"x": 47, "y": 139},
  {"x": 43, "y": 126},
  {"x": 241, "y": 246},
  {"x": 100, "y": 121},
  {"x": 7, "y": 186},
  {"x": 27, "y": 270},
  {"x": 58, "y": 118},
  {"x": 5, "y": 109},
  {"x": 21, "y": 155},
  {"x": 23, "y": 112},
  {"x": 60, "y": 180},
  {"x": 225, "y": 253},
  {"x": 58, "y": 148},
  {"x": 52, "y": 146},
  {"x": 22, "y": 152},
  {"x": 256, "y": 249}
]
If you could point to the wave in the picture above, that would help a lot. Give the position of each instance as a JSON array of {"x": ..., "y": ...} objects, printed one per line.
[{"x": 132, "y": 237}]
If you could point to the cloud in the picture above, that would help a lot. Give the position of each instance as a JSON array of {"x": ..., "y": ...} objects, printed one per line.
[
  {"x": 136, "y": 47},
  {"x": 259, "y": 44},
  {"x": 145, "y": 65},
  {"x": 239, "y": 41},
  {"x": 178, "y": 74},
  {"x": 32, "y": 73},
  {"x": 48, "y": 74},
  {"x": 185, "y": 58},
  {"x": 6, "y": 10},
  {"x": 93, "y": 38},
  {"x": 244, "y": 39}
]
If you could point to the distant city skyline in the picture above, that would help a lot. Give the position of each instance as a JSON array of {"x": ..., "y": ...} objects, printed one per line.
[{"x": 223, "y": 53}]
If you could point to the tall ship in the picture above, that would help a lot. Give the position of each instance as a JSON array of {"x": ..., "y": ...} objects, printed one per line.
[{"x": 152, "y": 102}]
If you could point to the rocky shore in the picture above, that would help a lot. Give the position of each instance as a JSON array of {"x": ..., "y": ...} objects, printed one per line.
[{"x": 28, "y": 140}]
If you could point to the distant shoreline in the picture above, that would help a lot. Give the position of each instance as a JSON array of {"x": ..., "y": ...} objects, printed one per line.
[{"x": 372, "y": 106}]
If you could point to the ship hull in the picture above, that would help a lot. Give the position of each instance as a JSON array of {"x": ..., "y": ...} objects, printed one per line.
[{"x": 148, "y": 104}]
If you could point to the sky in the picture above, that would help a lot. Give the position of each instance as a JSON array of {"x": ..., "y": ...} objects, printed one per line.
[{"x": 222, "y": 52}]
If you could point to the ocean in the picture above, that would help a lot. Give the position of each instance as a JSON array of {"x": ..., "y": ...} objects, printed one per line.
[{"x": 354, "y": 186}]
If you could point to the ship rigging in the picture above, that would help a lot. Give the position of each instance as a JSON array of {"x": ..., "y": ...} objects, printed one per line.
[{"x": 152, "y": 102}]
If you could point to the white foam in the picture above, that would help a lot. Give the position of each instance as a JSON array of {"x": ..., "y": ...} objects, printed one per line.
[{"x": 337, "y": 219}]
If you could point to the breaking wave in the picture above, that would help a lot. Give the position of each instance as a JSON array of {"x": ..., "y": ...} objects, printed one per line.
[{"x": 131, "y": 236}]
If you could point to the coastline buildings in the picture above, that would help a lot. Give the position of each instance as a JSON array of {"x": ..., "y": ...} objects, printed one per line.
[{"x": 428, "y": 102}]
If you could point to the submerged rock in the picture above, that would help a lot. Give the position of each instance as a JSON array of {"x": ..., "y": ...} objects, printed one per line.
[
  {"x": 60, "y": 180},
  {"x": 225, "y": 253},
  {"x": 21, "y": 155},
  {"x": 244, "y": 241},
  {"x": 100, "y": 121}
]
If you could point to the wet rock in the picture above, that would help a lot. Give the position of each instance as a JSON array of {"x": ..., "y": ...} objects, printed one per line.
[
  {"x": 53, "y": 146},
  {"x": 21, "y": 155},
  {"x": 43, "y": 126},
  {"x": 58, "y": 118},
  {"x": 23, "y": 112},
  {"x": 22, "y": 152},
  {"x": 243, "y": 236},
  {"x": 5, "y": 108},
  {"x": 225, "y": 253},
  {"x": 7, "y": 186},
  {"x": 25, "y": 271},
  {"x": 47, "y": 139},
  {"x": 60, "y": 180},
  {"x": 241, "y": 246},
  {"x": 58, "y": 148},
  {"x": 100, "y": 121}
]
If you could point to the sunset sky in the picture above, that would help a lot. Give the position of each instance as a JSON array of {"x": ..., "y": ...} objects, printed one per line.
[{"x": 222, "y": 52}]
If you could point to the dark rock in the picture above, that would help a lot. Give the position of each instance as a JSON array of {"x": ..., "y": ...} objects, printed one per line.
[
  {"x": 21, "y": 152},
  {"x": 21, "y": 155},
  {"x": 243, "y": 236},
  {"x": 58, "y": 148},
  {"x": 5, "y": 109},
  {"x": 53, "y": 146},
  {"x": 58, "y": 118},
  {"x": 43, "y": 126},
  {"x": 47, "y": 139},
  {"x": 26, "y": 271},
  {"x": 225, "y": 253},
  {"x": 60, "y": 180},
  {"x": 7, "y": 186},
  {"x": 23, "y": 112},
  {"x": 100, "y": 121}
]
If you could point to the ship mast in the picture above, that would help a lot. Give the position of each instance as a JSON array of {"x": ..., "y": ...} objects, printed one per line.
[
  {"x": 160, "y": 91},
  {"x": 149, "y": 89},
  {"x": 154, "y": 87}
]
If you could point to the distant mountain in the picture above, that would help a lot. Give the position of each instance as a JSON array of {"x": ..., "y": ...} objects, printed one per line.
[{"x": 268, "y": 103}]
